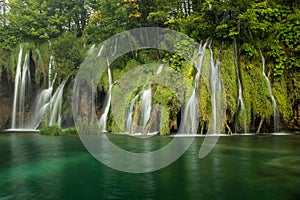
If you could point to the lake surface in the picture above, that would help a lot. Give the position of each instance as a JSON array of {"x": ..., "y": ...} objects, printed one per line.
[{"x": 239, "y": 167}]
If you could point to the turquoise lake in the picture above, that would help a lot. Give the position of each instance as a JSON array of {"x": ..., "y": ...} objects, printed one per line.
[{"x": 239, "y": 167}]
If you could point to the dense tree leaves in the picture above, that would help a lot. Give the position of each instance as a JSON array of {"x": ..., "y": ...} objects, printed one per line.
[{"x": 270, "y": 26}]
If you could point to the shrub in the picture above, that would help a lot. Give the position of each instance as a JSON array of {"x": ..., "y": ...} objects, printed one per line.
[
  {"x": 51, "y": 130},
  {"x": 70, "y": 131}
]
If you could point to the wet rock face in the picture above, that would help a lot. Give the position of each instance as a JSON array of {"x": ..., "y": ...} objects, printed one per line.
[
  {"x": 294, "y": 124},
  {"x": 6, "y": 99}
]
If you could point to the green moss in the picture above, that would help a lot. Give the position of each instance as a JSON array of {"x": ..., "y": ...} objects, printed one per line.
[
  {"x": 170, "y": 106},
  {"x": 229, "y": 80},
  {"x": 282, "y": 98},
  {"x": 256, "y": 93}
]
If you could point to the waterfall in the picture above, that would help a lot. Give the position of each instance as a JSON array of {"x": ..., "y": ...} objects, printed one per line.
[
  {"x": 44, "y": 97},
  {"x": 275, "y": 108},
  {"x": 17, "y": 79},
  {"x": 21, "y": 91},
  {"x": 100, "y": 51},
  {"x": 55, "y": 105},
  {"x": 52, "y": 65},
  {"x": 131, "y": 112},
  {"x": 91, "y": 49},
  {"x": 216, "y": 93},
  {"x": 160, "y": 68},
  {"x": 24, "y": 91},
  {"x": 103, "y": 118},
  {"x": 146, "y": 106},
  {"x": 240, "y": 101},
  {"x": 145, "y": 111},
  {"x": 42, "y": 102},
  {"x": 191, "y": 110}
]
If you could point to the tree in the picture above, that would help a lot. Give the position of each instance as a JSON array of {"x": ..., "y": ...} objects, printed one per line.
[{"x": 30, "y": 18}]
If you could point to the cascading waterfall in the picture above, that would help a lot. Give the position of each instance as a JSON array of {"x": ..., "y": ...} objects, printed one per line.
[
  {"x": 146, "y": 106},
  {"x": 131, "y": 112},
  {"x": 44, "y": 100},
  {"x": 52, "y": 65},
  {"x": 216, "y": 93},
  {"x": 240, "y": 101},
  {"x": 55, "y": 105},
  {"x": 160, "y": 68},
  {"x": 17, "y": 79},
  {"x": 42, "y": 103},
  {"x": 191, "y": 116},
  {"x": 25, "y": 89},
  {"x": 21, "y": 91},
  {"x": 91, "y": 49},
  {"x": 103, "y": 118},
  {"x": 145, "y": 111},
  {"x": 275, "y": 108}
]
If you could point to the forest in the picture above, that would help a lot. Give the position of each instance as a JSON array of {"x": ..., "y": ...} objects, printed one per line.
[{"x": 67, "y": 29}]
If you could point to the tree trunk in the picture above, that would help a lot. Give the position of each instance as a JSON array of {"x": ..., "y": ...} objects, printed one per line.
[
  {"x": 229, "y": 129},
  {"x": 260, "y": 125}
]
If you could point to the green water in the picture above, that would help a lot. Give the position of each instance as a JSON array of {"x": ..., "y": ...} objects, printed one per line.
[{"x": 239, "y": 167}]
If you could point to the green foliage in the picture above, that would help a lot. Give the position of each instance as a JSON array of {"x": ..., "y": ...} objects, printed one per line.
[
  {"x": 229, "y": 80},
  {"x": 256, "y": 94},
  {"x": 9, "y": 38},
  {"x": 282, "y": 98},
  {"x": 51, "y": 130},
  {"x": 249, "y": 50},
  {"x": 30, "y": 17},
  {"x": 271, "y": 26},
  {"x": 67, "y": 51},
  {"x": 170, "y": 105},
  {"x": 70, "y": 131},
  {"x": 57, "y": 131}
]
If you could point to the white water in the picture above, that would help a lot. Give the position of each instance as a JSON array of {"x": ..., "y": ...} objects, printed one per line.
[
  {"x": 21, "y": 91},
  {"x": 160, "y": 68},
  {"x": 145, "y": 109},
  {"x": 131, "y": 112},
  {"x": 189, "y": 122},
  {"x": 240, "y": 101},
  {"x": 103, "y": 118},
  {"x": 91, "y": 49},
  {"x": 100, "y": 51},
  {"x": 52, "y": 65},
  {"x": 24, "y": 91},
  {"x": 43, "y": 100},
  {"x": 17, "y": 79},
  {"x": 216, "y": 93},
  {"x": 42, "y": 103},
  {"x": 55, "y": 105},
  {"x": 146, "y": 106},
  {"x": 275, "y": 108}
]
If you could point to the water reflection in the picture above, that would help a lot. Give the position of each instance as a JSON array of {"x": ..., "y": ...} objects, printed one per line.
[{"x": 35, "y": 167}]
